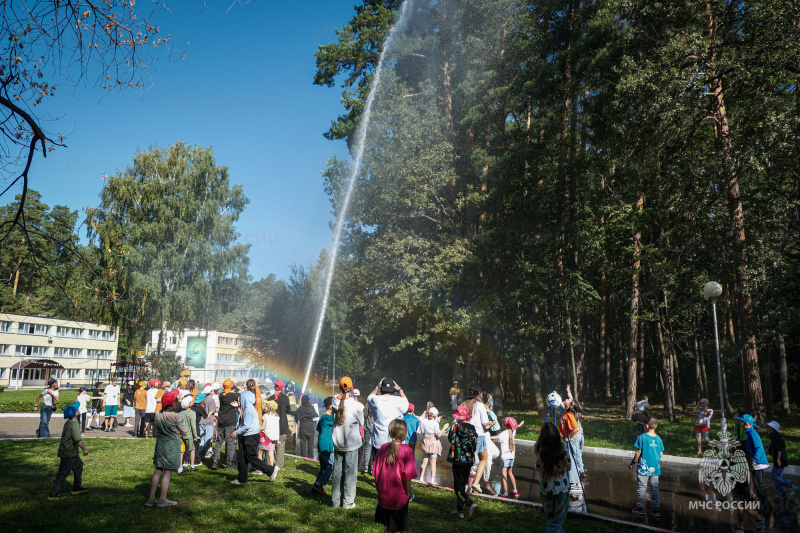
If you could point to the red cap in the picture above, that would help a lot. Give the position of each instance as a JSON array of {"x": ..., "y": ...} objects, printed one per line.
[
  {"x": 170, "y": 397},
  {"x": 410, "y": 407},
  {"x": 510, "y": 422},
  {"x": 462, "y": 413},
  {"x": 279, "y": 384}
]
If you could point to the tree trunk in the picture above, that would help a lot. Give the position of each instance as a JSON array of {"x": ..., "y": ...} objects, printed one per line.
[
  {"x": 784, "y": 375},
  {"x": 751, "y": 377},
  {"x": 669, "y": 399},
  {"x": 633, "y": 341}
]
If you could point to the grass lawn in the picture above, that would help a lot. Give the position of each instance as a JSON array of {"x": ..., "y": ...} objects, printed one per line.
[
  {"x": 118, "y": 472},
  {"x": 607, "y": 427}
]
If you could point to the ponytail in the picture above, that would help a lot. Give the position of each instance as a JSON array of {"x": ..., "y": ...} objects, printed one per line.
[
  {"x": 340, "y": 411},
  {"x": 398, "y": 431},
  {"x": 511, "y": 439}
]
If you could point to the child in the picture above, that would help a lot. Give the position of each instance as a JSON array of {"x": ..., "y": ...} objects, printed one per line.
[
  {"x": 82, "y": 410},
  {"x": 94, "y": 409},
  {"x": 190, "y": 421},
  {"x": 553, "y": 465},
  {"x": 412, "y": 423},
  {"x": 68, "y": 453},
  {"x": 507, "y": 453},
  {"x": 170, "y": 430},
  {"x": 759, "y": 461},
  {"x": 305, "y": 418},
  {"x": 777, "y": 449},
  {"x": 270, "y": 426},
  {"x": 649, "y": 450},
  {"x": 463, "y": 440},
  {"x": 325, "y": 447},
  {"x": 431, "y": 447},
  {"x": 395, "y": 467},
  {"x": 572, "y": 434},
  {"x": 702, "y": 426}
]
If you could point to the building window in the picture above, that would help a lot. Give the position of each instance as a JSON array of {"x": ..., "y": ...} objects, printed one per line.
[
  {"x": 98, "y": 354},
  {"x": 101, "y": 375},
  {"x": 225, "y": 341},
  {"x": 173, "y": 340},
  {"x": 27, "y": 328},
  {"x": 5, "y": 349},
  {"x": 68, "y": 352},
  {"x": 14, "y": 374},
  {"x": 35, "y": 374},
  {"x": 32, "y": 351},
  {"x": 72, "y": 373},
  {"x": 239, "y": 342},
  {"x": 75, "y": 333},
  {"x": 225, "y": 358},
  {"x": 5, "y": 326},
  {"x": 3, "y": 373},
  {"x": 101, "y": 335}
]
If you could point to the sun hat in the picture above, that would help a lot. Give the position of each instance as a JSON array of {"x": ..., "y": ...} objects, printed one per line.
[
  {"x": 748, "y": 419},
  {"x": 186, "y": 373},
  {"x": 345, "y": 384},
  {"x": 462, "y": 413},
  {"x": 142, "y": 384},
  {"x": 183, "y": 392},
  {"x": 703, "y": 400},
  {"x": 474, "y": 392},
  {"x": 182, "y": 381},
  {"x": 215, "y": 386},
  {"x": 410, "y": 407},
  {"x": 169, "y": 398},
  {"x": 207, "y": 389},
  {"x": 207, "y": 385},
  {"x": 186, "y": 402},
  {"x": 510, "y": 422},
  {"x": 279, "y": 385},
  {"x": 774, "y": 425},
  {"x": 69, "y": 411},
  {"x": 433, "y": 411},
  {"x": 199, "y": 398},
  {"x": 356, "y": 392},
  {"x": 388, "y": 386}
]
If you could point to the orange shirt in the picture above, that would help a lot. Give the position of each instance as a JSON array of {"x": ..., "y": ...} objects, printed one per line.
[
  {"x": 159, "y": 394},
  {"x": 140, "y": 399},
  {"x": 568, "y": 424},
  {"x": 259, "y": 407}
]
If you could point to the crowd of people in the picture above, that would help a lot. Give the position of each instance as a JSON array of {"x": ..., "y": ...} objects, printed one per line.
[{"x": 378, "y": 434}]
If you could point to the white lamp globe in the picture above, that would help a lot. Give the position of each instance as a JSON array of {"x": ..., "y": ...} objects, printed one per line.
[{"x": 712, "y": 289}]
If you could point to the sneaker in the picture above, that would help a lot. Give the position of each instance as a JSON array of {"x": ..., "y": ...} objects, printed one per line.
[
  {"x": 55, "y": 497},
  {"x": 319, "y": 489},
  {"x": 114, "y": 429},
  {"x": 347, "y": 506},
  {"x": 275, "y": 475},
  {"x": 79, "y": 490},
  {"x": 638, "y": 510},
  {"x": 89, "y": 428},
  {"x": 656, "y": 513},
  {"x": 215, "y": 466},
  {"x": 457, "y": 513},
  {"x": 128, "y": 425},
  {"x": 150, "y": 503},
  {"x": 471, "y": 511},
  {"x": 257, "y": 473},
  {"x": 105, "y": 430},
  {"x": 193, "y": 469},
  {"x": 231, "y": 468},
  {"x": 477, "y": 488},
  {"x": 180, "y": 470},
  {"x": 761, "y": 526},
  {"x": 503, "y": 495},
  {"x": 166, "y": 503},
  {"x": 411, "y": 498},
  {"x": 82, "y": 435},
  {"x": 237, "y": 482},
  {"x": 515, "y": 495}
]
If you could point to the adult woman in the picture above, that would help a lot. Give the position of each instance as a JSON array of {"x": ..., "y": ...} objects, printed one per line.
[
  {"x": 347, "y": 422},
  {"x": 480, "y": 419},
  {"x": 49, "y": 398},
  {"x": 247, "y": 433}
]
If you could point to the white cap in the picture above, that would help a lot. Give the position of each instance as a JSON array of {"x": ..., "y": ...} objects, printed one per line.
[
  {"x": 215, "y": 386},
  {"x": 356, "y": 392},
  {"x": 434, "y": 412},
  {"x": 774, "y": 425},
  {"x": 207, "y": 389},
  {"x": 183, "y": 393},
  {"x": 186, "y": 402}
]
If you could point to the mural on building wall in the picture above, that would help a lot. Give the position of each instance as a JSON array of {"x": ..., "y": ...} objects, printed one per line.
[{"x": 196, "y": 352}]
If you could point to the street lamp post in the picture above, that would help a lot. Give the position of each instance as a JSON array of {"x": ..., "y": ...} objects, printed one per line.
[
  {"x": 335, "y": 328},
  {"x": 713, "y": 290}
]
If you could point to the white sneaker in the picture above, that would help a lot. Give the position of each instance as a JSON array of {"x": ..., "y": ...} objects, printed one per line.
[
  {"x": 274, "y": 473},
  {"x": 128, "y": 425},
  {"x": 471, "y": 511}
]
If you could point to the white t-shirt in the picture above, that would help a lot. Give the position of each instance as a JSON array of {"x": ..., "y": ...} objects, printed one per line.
[
  {"x": 385, "y": 408},
  {"x": 703, "y": 420},
  {"x": 150, "y": 401},
  {"x": 82, "y": 397},
  {"x": 111, "y": 395},
  {"x": 506, "y": 453},
  {"x": 479, "y": 418},
  {"x": 641, "y": 405},
  {"x": 49, "y": 396},
  {"x": 428, "y": 427}
]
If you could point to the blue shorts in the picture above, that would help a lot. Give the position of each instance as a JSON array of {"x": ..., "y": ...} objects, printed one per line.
[
  {"x": 111, "y": 410},
  {"x": 507, "y": 463},
  {"x": 481, "y": 444}
]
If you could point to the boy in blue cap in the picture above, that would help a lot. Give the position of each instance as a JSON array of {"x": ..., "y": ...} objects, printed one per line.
[
  {"x": 759, "y": 462},
  {"x": 70, "y": 458}
]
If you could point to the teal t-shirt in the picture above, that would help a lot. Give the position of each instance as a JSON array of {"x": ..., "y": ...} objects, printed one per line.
[
  {"x": 650, "y": 461},
  {"x": 325, "y": 428}
]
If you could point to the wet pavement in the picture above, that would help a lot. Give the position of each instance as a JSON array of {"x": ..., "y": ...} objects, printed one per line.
[{"x": 610, "y": 486}]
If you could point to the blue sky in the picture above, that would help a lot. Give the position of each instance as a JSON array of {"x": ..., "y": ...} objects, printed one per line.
[{"x": 245, "y": 89}]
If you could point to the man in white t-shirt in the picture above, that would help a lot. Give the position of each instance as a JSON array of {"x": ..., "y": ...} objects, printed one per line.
[
  {"x": 151, "y": 403},
  {"x": 49, "y": 398},
  {"x": 385, "y": 407},
  {"x": 111, "y": 401}
]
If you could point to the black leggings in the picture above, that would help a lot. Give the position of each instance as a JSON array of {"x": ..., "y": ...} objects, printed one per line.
[
  {"x": 82, "y": 418},
  {"x": 460, "y": 480}
]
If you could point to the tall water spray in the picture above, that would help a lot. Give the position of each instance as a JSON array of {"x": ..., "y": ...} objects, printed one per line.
[{"x": 361, "y": 138}]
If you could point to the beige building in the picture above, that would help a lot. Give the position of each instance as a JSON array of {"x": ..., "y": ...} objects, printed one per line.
[
  {"x": 35, "y": 348},
  {"x": 210, "y": 355}
]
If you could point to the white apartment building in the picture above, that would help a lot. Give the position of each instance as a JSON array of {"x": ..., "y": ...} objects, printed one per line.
[
  {"x": 210, "y": 355},
  {"x": 35, "y": 348}
]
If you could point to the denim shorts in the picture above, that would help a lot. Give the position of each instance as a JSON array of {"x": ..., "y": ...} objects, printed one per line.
[
  {"x": 481, "y": 444},
  {"x": 507, "y": 463}
]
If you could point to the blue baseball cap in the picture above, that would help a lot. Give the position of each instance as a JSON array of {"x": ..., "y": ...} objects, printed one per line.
[
  {"x": 199, "y": 398},
  {"x": 747, "y": 418}
]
